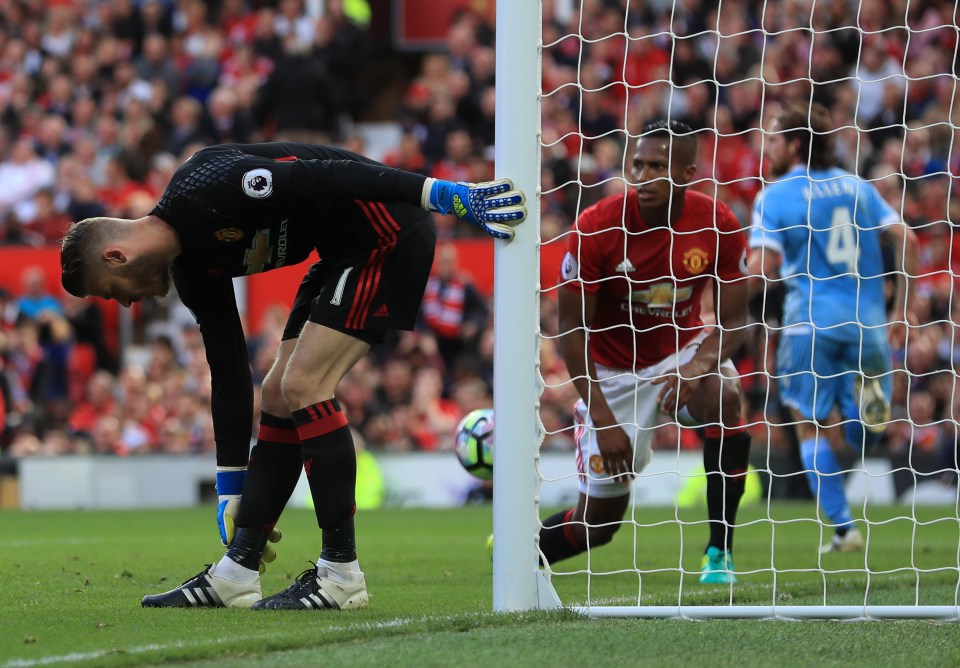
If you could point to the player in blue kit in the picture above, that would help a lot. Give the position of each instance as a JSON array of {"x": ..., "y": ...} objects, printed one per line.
[{"x": 819, "y": 229}]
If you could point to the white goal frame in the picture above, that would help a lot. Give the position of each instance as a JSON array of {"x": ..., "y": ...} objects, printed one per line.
[{"x": 518, "y": 582}]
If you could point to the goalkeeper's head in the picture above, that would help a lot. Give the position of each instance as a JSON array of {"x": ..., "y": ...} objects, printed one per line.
[
  {"x": 113, "y": 258},
  {"x": 801, "y": 134}
]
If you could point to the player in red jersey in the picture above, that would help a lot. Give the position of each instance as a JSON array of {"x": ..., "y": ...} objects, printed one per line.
[{"x": 634, "y": 343}]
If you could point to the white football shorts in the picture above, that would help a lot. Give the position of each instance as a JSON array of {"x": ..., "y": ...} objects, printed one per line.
[{"x": 633, "y": 400}]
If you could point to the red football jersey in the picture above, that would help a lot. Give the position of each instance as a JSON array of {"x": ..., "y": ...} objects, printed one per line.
[{"x": 649, "y": 280}]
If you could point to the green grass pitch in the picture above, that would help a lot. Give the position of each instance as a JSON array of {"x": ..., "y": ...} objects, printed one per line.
[{"x": 72, "y": 581}]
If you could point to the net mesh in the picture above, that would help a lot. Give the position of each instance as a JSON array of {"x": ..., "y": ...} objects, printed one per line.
[{"x": 886, "y": 73}]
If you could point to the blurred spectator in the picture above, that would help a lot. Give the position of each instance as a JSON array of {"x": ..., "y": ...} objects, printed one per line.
[
  {"x": 47, "y": 221},
  {"x": 455, "y": 163},
  {"x": 105, "y": 436},
  {"x": 408, "y": 155},
  {"x": 432, "y": 419},
  {"x": 453, "y": 311},
  {"x": 185, "y": 125},
  {"x": 874, "y": 72},
  {"x": 22, "y": 174},
  {"x": 90, "y": 351},
  {"x": 14, "y": 233},
  {"x": 154, "y": 64},
  {"x": 34, "y": 298},
  {"x": 297, "y": 102},
  {"x": 98, "y": 402},
  {"x": 120, "y": 190},
  {"x": 227, "y": 123},
  {"x": 342, "y": 43}
]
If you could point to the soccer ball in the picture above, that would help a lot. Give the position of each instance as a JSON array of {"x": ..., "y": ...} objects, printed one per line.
[{"x": 474, "y": 445}]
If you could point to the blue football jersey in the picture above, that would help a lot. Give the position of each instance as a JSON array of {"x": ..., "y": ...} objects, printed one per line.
[{"x": 826, "y": 226}]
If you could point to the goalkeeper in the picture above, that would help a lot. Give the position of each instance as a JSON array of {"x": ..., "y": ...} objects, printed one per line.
[{"x": 234, "y": 210}]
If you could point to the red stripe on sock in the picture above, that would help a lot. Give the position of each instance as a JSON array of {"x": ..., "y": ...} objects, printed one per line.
[
  {"x": 321, "y": 425},
  {"x": 717, "y": 432},
  {"x": 278, "y": 435},
  {"x": 568, "y": 529}
]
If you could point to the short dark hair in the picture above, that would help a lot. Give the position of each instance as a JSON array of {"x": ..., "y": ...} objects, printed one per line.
[
  {"x": 814, "y": 128},
  {"x": 680, "y": 138},
  {"x": 79, "y": 248}
]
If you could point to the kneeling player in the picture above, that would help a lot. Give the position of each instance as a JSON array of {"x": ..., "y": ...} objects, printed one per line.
[{"x": 633, "y": 277}]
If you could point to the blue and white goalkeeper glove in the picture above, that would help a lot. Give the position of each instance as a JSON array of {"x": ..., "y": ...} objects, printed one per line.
[
  {"x": 493, "y": 205},
  {"x": 229, "y": 487}
]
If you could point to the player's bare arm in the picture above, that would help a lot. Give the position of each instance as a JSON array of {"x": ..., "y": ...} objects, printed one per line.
[
  {"x": 576, "y": 312},
  {"x": 906, "y": 259},
  {"x": 730, "y": 307}
]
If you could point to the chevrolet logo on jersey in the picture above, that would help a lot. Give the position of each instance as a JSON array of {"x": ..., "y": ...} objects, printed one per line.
[
  {"x": 661, "y": 296},
  {"x": 257, "y": 257}
]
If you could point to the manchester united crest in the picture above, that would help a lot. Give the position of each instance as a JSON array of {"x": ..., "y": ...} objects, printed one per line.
[
  {"x": 695, "y": 260},
  {"x": 596, "y": 463},
  {"x": 229, "y": 234}
]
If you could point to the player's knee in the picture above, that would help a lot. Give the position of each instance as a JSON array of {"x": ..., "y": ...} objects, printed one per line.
[
  {"x": 714, "y": 402},
  {"x": 303, "y": 386},
  {"x": 271, "y": 398},
  {"x": 295, "y": 390}
]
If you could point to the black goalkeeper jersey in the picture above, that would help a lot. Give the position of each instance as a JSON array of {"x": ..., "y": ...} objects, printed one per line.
[{"x": 241, "y": 209}]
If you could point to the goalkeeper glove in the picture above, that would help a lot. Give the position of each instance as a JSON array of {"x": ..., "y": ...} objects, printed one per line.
[
  {"x": 230, "y": 481},
  {"x": 492, "y": 205},
  {"x": 226, "y": 518}
]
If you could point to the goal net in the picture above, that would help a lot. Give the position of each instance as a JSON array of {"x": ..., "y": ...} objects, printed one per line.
[{"x": 577, "y": 80}]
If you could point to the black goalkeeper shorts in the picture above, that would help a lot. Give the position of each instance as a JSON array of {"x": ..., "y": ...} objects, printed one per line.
[{"x": 368, "y": 291}]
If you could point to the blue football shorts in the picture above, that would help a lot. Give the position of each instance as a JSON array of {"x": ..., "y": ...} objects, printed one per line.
[{"x": 816, "y": 373}]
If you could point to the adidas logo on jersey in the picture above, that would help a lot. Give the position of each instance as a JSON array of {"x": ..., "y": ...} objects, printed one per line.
[
  {"x": 381, "y": 312},
  {"x": 625, "y": 267}
]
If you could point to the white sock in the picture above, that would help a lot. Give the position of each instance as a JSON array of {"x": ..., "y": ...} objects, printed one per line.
[
  {"x": 228, "y": 569},
  {"x": 344, "y": 573}
]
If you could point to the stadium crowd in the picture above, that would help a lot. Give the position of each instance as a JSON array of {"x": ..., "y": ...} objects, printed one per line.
[{"x": 100, "y": 100}]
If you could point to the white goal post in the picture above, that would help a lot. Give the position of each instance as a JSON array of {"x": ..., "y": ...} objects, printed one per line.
[{"x": 519, "y": 582}]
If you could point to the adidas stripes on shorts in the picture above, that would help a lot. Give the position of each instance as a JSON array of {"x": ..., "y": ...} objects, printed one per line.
[{"x": 367, "y": 291}]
